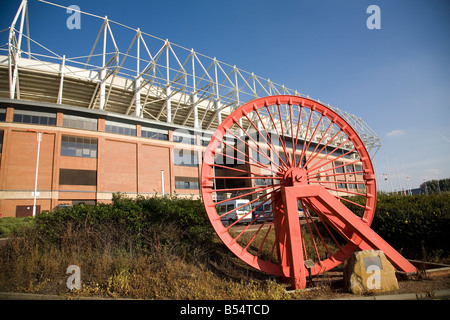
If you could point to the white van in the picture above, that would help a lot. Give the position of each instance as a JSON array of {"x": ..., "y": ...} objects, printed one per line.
[{"x": 231, "y": 205}]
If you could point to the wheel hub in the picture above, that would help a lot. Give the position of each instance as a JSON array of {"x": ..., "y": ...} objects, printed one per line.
[{"x": 295, "y": 177}]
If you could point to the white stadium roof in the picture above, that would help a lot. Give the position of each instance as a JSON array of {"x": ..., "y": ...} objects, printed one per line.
[{"x": 151, "y": 78}]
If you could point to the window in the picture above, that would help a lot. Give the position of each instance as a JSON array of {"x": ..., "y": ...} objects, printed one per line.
[
  {"x": 78, "y": 177},
  {"x": 359, "y": 169},
  {"x": 154, "y": 134},
  {"x": 205, "y": 140},
  {"x": 341, "y": 167},
  {"x": 342, "y": 186},
  {"x": 229, "y": 154},
  {"x": 260, "y": 155},
  {"x": 224, "y": 208},
  {"x": 184, "y": 138},
  {"x": 263, "y": 182},
  {"x": 221, "y": 209},
  {"x": 2, "y": 114},
  {"x": 41, "y": 118},
  {"x": 282, "y": 158},
  {"x": 187, "y": 158},
  {"x": 349, "y": 168},
  {"x": 285, "y": 141},
  {"x": 186, "y": 183},
  {"x": 79, "y": 122},
  {"x": 120, "y": 128},
  {"x": 85, "y": 202},
  {"x": 78, "y": 147}
]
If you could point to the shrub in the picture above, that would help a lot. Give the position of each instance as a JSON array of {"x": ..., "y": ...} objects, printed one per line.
[
  {"x": 10, "y": 224},
  {"x": 132, "y": 221},
  {"x": 161, "y": 248},
  {"x": 416, "y": 225}
]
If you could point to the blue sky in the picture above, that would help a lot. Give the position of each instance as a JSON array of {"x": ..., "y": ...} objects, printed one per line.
[{"x": 396, "y": 78}]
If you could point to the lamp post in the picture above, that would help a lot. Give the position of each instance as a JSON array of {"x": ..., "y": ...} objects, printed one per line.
[
  {"x": 39, "y": 139},
  {"x": 162, "y": 183}
]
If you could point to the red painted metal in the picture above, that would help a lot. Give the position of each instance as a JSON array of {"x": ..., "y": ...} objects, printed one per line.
[
  {"x": 320, "y": 198},
  {"x": 312, "y": 178},
  {"x": 294, "y": 242}
]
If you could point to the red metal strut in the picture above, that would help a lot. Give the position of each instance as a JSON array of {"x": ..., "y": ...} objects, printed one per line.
[{"x": 319, "y": 198}]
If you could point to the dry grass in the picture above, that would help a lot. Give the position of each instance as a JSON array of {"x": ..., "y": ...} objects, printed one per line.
[
  {"x": 112, "y": 265},
  {"x": 125, "y": 252}
]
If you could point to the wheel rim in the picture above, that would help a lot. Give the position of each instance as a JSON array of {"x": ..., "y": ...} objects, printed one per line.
[{"x": 255, "y": 151}]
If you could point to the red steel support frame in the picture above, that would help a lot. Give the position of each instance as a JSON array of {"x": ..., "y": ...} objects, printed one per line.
[
  {"x": 291, "y": 180},
  {"x": 335, "y": 212},
  {"x": 294, "y": 241}
]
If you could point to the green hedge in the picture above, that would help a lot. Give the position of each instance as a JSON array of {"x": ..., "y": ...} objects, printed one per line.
[
  {"x": 418, "y": 226},
  {"x": 132, "y": 219},
  {"x": 10, "y": 224}
]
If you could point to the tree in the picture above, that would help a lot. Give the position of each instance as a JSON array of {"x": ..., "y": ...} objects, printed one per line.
[{"x": 435, "y": 186}]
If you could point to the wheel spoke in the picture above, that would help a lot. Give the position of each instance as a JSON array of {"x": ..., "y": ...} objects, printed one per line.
[
  {"x": 308, "y": 216},
  {"x": 241, "y": 218},
  {"x": 241, "y": 189},
  {"x": 352, "y": 202},
  {"x": 271, "y": 145},
  {"x": 325, "y": 225},
  {"x": 341, "y": 166},
  {"x": 282, "y": 134},
  {"x": 251, "y": 223},
  {"x": 294, "y": 147},
  {"x": 298, "y": 127},
  {"x": 264, "y": 155},
  {"x": 244, "y": 178},
  {"x": 304, "y": 141},
  {"x": 243, "y": 196},
  {"x": 238, "y": 170},
  {"x": 313, "y": 241},
  {"x": 310, "y": 140},
  {"x": 317, "y": 167},
  {"x": 349, "y": 192},
  {"x": 315, "y": 153},
  {"x": 261, "y": 166},
  {"x": 283, "y": 145}
]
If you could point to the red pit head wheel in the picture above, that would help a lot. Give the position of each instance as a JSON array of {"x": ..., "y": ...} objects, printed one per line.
[{"x": 273, "y": 179}]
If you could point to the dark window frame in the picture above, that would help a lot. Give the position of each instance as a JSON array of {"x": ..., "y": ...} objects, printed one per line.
[{"x": 77, "y": 177}]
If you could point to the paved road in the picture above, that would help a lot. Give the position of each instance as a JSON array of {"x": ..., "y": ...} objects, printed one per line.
[
  {"x": 437, "y": 295},
  {"x": 443, "y": 294}
]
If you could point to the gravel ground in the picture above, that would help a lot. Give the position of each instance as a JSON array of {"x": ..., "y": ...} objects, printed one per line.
[{"x": 332, "y": 287}]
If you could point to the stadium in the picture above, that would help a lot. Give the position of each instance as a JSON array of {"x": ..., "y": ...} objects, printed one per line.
[{"x": 133, "y": 119}]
